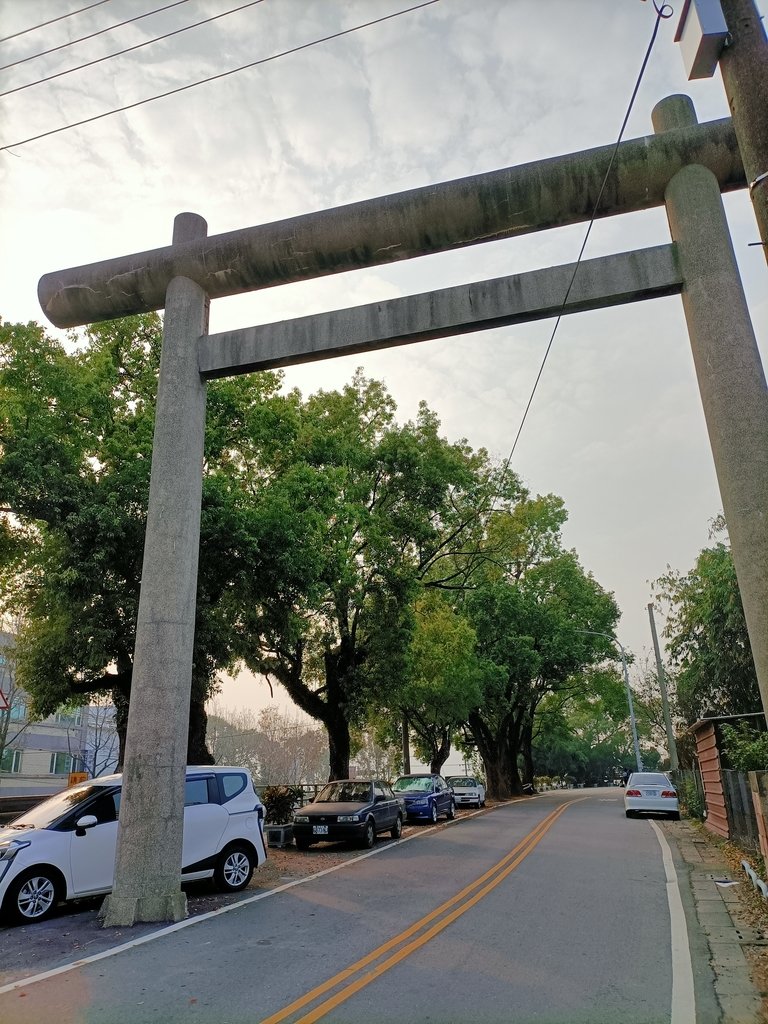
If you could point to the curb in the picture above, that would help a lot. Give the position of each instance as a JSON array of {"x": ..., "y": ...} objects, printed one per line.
[{"x": 717, "y": 905}]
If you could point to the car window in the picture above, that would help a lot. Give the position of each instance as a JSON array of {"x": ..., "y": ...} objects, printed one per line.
[
  {"x": 232, "y": 783},
  {"x": 649, "y": 779},
  {"x": 388, "y": 792},
  {"x": 196, "y": 792},
  {"x": 413, "y": 784},
  {"x": 345, "y": 792},
  {"x": 377, "y": 789}
]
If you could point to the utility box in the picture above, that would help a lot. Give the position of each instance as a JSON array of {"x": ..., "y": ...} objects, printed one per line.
[{"x": 702, "y": 34}]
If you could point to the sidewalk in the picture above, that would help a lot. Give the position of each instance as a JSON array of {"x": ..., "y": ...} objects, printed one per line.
[{"x": 733, "y": 944}]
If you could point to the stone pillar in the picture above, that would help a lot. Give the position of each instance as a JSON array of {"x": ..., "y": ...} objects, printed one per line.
[
  {"x": 148, "y": 863},
  {"x": 729, "y": 371}
]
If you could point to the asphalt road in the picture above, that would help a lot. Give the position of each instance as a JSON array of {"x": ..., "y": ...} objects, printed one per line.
[{"x": 555, "y": 909}]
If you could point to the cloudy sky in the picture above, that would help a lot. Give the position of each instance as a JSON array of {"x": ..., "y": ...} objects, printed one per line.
[{"x": 456, "y": 88}]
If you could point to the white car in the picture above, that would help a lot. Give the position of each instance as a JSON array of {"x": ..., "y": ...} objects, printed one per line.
[
  {"x": 468, "y": 790},
  {"x": 652, "y": 792},
  {"x": 64, "y": 848}
]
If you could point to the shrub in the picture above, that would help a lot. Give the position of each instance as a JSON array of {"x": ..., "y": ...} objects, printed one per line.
[
  {"x": 279, "y": 802},
  {"x": 746, "y": 749},
  {"x": 691, "y": 799}
]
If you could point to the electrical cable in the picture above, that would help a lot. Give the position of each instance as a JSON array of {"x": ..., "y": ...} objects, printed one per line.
[
  {"x": 52, "y": 21},
  {"x": 663, "y": 11},
  {"x": 82, "y": 39},
  {"x": 214, "y": 78},
  {"x": 130, "y": 49}
]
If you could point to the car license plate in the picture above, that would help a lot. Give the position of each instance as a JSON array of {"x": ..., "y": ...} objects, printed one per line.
[
  {"x": 650, "y": 792},
  {"x": 319, "y": 830}
]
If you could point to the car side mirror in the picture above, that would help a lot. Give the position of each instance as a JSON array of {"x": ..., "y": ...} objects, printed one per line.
[{"x": 87, "y": 821}]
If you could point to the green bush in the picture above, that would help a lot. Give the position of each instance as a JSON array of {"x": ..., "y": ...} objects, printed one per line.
[
  {"x": 745, "y": 748},
  {"x": 279, "y": 802},
  {"x": 690, "y": 799}
]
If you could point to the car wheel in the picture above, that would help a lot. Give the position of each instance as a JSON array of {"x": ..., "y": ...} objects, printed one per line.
[
  {"x": 33, "y": 896},
  {"x": 451, "y": 811},
  {"x": 234, "y": 869},
  {"x": 302, "y": 844},
  {"x": 629, "y": 814},
  {"x": 397, "y": 828},
  {"x": 675, "y": 816},
  {"x": 369, "y": 835},
  {"x": 433, "y": 814}
]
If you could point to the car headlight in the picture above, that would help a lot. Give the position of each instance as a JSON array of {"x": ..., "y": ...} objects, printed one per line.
[
  {"x": 301, "y": 819},
  {"x": 348, "y": 817},
  {"x": 11, "y": 847},
  {"x": 8, "y": 851}
]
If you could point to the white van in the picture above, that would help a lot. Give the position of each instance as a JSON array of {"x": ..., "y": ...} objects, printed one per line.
[{"x": 64, "y": 848}]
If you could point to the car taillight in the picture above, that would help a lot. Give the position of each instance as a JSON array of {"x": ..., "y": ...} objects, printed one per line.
[
  {"x": 669, "y": 792},
  {"x": 633, "y": 792}
]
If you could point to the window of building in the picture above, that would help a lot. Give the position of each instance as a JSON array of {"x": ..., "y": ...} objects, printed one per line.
[
  {"x": 61, "y": 764},
  {"x": 74, "y": 717},
  {"x": 18, "y": 711},
  {"x": 10, "y": 760}
]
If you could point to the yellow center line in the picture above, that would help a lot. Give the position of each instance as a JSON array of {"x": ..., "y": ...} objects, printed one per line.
[{"x": 484, "y": 884}]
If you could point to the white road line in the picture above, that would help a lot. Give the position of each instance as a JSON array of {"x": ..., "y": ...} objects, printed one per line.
[
  {"x": 188, "y": 922},
  {"x": 683, "y": 999}
]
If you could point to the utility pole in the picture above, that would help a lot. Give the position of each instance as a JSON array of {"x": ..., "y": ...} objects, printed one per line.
[
  {"x": 744, "y": 68},
  {"x": 673, "y": 762}
]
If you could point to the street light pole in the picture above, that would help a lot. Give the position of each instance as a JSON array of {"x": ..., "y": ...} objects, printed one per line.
[{"x": 632, "y": 721}]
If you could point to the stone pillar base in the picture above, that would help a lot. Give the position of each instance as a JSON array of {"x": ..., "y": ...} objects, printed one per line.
[{"x": 126, "y": 911}]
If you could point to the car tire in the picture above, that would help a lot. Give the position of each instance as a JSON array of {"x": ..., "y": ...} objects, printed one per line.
[
  {"x": 302, "y": 844},
  {"x": 33, "y": 896},
  {"x": 234, "y": 868},
  {"x": 675, "y": 816},
  {"x": 397, "y": 829},
  {"x": 629, "y": 814},
  {"x": 433, "y": 814},
  {"x": 451, "y": 811},
  {"x": 369, "y": 835}
]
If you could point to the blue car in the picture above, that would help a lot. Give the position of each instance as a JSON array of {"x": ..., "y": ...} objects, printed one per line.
[{"x": 426, "y": 797}]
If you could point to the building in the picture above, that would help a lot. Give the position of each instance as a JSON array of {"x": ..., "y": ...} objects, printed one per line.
[{"x": 37, "y": 757}]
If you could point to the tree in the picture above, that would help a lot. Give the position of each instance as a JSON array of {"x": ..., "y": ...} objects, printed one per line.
[
  {"x": 528, "y": 613},
  {"x": 443, "y": 683},
  {"x": 76, "y": 434},
  {"x": 277, "y": 748},
  {"x": 707, "y": 638},
  {"x": 351, "y": 516}
]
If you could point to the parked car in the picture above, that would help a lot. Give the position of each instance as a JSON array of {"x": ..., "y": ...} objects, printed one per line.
[
  {"x": 467, "y": 790},
  {"x": 64, "y": 848},
  {"x": 426, "y": 796},
  {"x": 351, "y": 809},
  {"x": 650, "y": 792}
]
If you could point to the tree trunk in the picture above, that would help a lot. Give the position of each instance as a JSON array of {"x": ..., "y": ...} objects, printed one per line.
[
  {"x": 197, "y": 748},
  {"x": 120, "y": 698},
  {"x": 499, "y": 749},
  {"x": 440, "y": 756},
  {"x": 339, "y": 746},
  {"x": 526, "y": 749}
]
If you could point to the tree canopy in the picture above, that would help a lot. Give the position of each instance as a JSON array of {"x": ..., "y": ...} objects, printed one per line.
[{"x": 707, "y": 637}]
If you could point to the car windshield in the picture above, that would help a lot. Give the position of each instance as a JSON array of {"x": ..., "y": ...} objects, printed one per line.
[
  {"x": 45, "y": 813},
  {"x": 649, "y": 779},
  {"x": 461, "y": 781},
  {"x": 413, "y": 784},
  {"x": 344, "y": 793}
]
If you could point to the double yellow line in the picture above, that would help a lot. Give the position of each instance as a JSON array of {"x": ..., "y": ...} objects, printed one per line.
[{"x": 357, "y": 977}]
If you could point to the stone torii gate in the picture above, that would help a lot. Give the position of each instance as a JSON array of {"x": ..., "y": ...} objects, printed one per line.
[{"x": 683, "y": 165}]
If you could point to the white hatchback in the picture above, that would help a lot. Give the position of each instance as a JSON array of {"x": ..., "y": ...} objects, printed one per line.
[
  {"x": 64, "y": 848},
  {"x": 652, "y": 792}
]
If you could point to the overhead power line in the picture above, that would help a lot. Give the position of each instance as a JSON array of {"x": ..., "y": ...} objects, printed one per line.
[
  {"x": 215, "y": 78},
  {"x": 663, "y": 11},
  {"x": 130, "y": 49},
  {"x": 52, "y": 21},
  {"x": 82, "y": 39}
]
